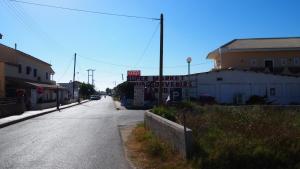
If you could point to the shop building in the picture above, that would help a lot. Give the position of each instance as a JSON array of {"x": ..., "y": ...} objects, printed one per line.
[
  {"x": 22, "y": 75},
  {"x": 231, "y": 86}
]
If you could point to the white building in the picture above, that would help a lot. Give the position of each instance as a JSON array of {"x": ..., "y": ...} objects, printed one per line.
[
  {"x": 227, "y": 86},
  {"x": 22, "y": 75}
]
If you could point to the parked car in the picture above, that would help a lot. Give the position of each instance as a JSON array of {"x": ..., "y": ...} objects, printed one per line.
[{"x": 95, "y": 97}]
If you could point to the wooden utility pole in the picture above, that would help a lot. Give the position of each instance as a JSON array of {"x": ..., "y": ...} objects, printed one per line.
[
  {"x": 74, "y": 75},
  {"x": 161, "y": 59}
]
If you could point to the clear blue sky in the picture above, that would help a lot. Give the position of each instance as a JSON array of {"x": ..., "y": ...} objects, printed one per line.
[{"x": 192, "y": 28}]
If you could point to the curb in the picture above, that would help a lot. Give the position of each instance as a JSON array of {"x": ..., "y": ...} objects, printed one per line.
[
  {"x": 36, "y": 115},
  {"x": 125, "y": 151}
]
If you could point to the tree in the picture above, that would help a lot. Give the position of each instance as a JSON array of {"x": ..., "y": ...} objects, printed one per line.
[
  {"x": 86, "y": 90},
  {"x": 125, "y": 89},
  {"x": 108, "y": 91}
]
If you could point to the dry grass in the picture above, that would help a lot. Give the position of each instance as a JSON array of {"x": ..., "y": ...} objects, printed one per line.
[
  {"x": 147, "y": 152},
  {"x": 235, "y": 137}
]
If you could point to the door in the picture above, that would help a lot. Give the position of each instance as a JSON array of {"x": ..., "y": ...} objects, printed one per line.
[{"x": 269, "y": 65}]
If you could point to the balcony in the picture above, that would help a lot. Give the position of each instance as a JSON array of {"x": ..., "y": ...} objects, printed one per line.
[{"x": 278, "y": 70}]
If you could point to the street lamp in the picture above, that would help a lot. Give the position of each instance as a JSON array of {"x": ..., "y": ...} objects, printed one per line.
[{"x": 188, "y": 60}]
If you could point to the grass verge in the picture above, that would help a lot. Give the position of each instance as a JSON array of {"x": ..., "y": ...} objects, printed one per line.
[
  {"x": 147, "y": 151},
  {"x": 248, "y": 137}
]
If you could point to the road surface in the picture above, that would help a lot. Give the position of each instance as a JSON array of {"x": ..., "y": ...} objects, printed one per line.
[{"x": 83, "y": 137}]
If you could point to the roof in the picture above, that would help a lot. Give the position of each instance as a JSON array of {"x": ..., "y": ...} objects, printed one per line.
[
  {"x": 24, "y": 54},
  {"x": 259, "y": 44}
]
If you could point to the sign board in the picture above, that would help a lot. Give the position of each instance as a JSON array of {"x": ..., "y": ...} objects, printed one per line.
[
  {"x": 176, "y": 94},
  {"x": 168, "y": 81},
  {"x": 133, "y": 73},
  {"x": 139, "y": 96}
]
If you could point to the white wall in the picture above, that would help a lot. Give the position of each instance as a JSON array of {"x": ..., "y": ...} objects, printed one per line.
[
  {"x": 13, "y": 71},
  {"x": 246, "y": 84}
]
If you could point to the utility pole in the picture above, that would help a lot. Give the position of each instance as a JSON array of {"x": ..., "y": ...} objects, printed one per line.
[
  {"x": 92, "y": 75},
  {"x": 74, "y": 75},
  {"x": 161, "y": 60}
]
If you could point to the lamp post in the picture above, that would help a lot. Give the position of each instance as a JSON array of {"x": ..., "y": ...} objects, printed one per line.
[{"x": 188, "y": 60}]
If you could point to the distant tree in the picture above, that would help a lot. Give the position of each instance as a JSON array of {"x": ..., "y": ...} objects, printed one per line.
[
  {"x": 125, "y": 89},
  {"x": 108, "y": 91},
  {"x": 86, "y": 90}
]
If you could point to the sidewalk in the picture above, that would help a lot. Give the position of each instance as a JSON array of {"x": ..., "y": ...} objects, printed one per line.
[
  {"x": 32, "y": 114},
  {"x": 118, "y": 105}
]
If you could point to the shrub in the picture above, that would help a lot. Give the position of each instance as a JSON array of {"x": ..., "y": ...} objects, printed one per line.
[
  {"x": 165, "y": 112},
  {"x": 156, "y": 148},
  {"x": 258, "y": 100}
]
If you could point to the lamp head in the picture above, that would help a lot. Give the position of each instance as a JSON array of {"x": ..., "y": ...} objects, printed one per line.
[{"x": 189, "y": 60}]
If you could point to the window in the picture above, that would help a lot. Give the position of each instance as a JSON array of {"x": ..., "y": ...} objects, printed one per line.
[
  {"x": 272, "y": 92},
  {"x": 34, "y": 72},
  {"x": 283, "y": 62},
  {"x": 47, "y": 75},
  {"x": 28, "y": 70},
  {"x": 296, "y": 61},
  {"x": 219, "y": 79},
  {"x": 253, "y": 62},
  {"x": 20, "y": 68}
]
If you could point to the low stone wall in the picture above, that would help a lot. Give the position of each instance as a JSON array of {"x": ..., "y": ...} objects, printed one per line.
[
  {"x": 170, "y": 132},
  {"x": 11, "y": 109}
]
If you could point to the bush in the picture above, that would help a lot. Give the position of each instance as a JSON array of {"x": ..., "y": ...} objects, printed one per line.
[
  {"x": 257, "y": 100},
  {"x": 165, "y": 113},
  {"x": 156, "y": 148}
]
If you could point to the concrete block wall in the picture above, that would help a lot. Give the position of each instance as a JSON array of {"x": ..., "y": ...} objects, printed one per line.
[{"x": 170, "y": 132}]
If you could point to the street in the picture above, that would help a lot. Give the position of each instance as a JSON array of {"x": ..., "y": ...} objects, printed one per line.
[{"x": 84, "y": 136}]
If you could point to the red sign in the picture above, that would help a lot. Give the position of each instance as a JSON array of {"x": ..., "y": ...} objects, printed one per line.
[
  {"x": 40, "y": 90},
  {"x": 133, "y": 73}
]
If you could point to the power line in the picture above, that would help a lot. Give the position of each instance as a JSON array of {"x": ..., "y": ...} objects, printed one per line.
[
  {"x": 66, "y": 70},
  {"x": 29, "y": 23},
  {"x": 148, "y": 45},
  {"x": 138, "y": 67},
  {"x": 83, "y": 10}
]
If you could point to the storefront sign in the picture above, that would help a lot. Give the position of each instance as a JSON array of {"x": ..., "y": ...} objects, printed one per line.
[
  {"x": 168, "y": 81},
  {"x": 133, "y": 73}
]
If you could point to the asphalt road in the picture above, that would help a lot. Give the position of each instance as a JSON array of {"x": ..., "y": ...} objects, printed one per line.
[{"x": 83, "y": 137}]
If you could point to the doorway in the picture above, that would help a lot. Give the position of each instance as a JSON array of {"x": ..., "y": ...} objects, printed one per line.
[{"x": 269, "y": 64}]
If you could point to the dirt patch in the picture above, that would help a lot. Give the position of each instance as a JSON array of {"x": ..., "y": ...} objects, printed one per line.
[{"x": 145, "y": 151}]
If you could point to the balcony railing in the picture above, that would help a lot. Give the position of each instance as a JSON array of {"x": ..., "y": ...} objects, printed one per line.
[{"x": 278, "y": 70}]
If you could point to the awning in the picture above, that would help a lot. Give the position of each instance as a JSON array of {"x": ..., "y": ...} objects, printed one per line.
[{"x": 46, "y": 86}]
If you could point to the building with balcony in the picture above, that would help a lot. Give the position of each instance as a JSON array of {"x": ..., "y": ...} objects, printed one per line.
[
  {"x": 25, "y": 76},
  {"x": 69, "y": 87},
  {"x": 275, "y": 55}
]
